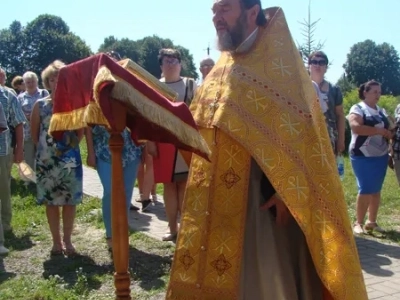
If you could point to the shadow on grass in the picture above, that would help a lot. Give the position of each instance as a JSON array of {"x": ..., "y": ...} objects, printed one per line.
[
  {"x": 148, "y": 269},
  {"x": 75, "y": 269},
  {"x": 393, "y": 235},
  {"x": 4, "y": 275},
  {"x": 19, "y": 187},
  {"x": 20, "y": 242}
]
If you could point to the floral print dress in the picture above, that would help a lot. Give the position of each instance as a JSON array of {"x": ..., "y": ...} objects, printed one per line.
[
  {"x": 101, "y": 137},
  {"x": 58, "y": 163}
]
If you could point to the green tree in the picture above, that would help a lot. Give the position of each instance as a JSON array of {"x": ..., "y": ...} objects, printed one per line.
[
  {"x": 349, "y": 100},
  {"x": 33, "y": 47},
  {"x": 150, "y": 46},
  {"x": 309, "y": 44},
  {"x": 145, "y": 53},
  {"x": 12, "y": 45},
  {"x": 48, "y": 38},
  {"x": 387, "y": 102},
  {"x": 367, "y": 61},
  {"x": 125, "y": 47},
  {"x": 345, "y": 85}
]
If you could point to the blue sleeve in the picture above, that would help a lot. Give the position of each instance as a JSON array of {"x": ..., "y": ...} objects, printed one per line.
[
  {"x": 16, "y": 114},
  {"x": 3, "y": 120},
  {"x": 45, "y": 93}
]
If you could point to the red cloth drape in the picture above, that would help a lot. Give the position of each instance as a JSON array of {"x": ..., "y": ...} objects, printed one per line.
[{"x": 74, "y": 91}]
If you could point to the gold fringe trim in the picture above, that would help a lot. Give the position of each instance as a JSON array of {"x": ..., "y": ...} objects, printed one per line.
[
  {"x": 149, "y": 79},
  {"x": 78, "y": 119},
  {"x": 94, "y": 115},
  {"x": 72, "y": 120},
  {"x": 103, "y": 75},
  {"x": 154, "y": 113}
]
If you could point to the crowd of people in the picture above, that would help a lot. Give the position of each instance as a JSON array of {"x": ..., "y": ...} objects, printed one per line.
[
  {"x": 26, "y": 110},
  {"x": 25, "y": 113}
]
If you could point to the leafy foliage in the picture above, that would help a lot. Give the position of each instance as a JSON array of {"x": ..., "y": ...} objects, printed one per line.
[
  {"x": 33, "y": 47},
  {"x": 387, "y": 102},
  {"x": 48, "y": 37},
  {"x": 345, "y": 85},
  {"x": 12, "y": 48},
  {"x": 367, "y": 61},
  {"x": 145, "y": 53}
]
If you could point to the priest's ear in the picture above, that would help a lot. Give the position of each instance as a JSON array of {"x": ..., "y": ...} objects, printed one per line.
[
  {"x": 255, "y": 15},
  {"x": 252, "y": 14}
]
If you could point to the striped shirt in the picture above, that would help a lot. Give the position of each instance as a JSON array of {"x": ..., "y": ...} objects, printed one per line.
[{"x": 13, "y": 114}]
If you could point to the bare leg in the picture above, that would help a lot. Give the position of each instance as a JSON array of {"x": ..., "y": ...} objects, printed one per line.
[
  {"x": 171, "y": 205},
  {"x": 362, "y": 204},
  {"x": 68, "y": 213},
  {"x": 53, "y": 218},
  {"x": 148, "y": 178},
  {"x": 374, "y": 207},
  {"x": 140, "y": 179}
]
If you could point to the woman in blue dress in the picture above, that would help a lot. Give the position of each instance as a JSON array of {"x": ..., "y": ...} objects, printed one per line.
[
  {"x": 58, "y": 168},
  {"x": 99, "y": 157}
]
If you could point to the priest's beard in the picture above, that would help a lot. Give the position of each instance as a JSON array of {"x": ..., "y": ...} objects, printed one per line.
[{"x": 231, "y": 39}]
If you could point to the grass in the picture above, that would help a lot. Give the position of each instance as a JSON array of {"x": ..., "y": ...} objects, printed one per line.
[{"x": 29, "y": 273}]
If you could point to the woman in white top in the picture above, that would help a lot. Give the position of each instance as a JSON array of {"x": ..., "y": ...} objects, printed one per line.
[{"x": 369, "y": 153}]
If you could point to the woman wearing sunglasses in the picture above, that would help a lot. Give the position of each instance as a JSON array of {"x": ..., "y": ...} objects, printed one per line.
[{"x": 332, "y": 96}]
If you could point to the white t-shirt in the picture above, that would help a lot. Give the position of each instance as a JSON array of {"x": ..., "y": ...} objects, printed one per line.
[
  {"x": 180, "y": 87},
  {"x": 369, "y": 146},
  {"x": 322, "y": 97}
]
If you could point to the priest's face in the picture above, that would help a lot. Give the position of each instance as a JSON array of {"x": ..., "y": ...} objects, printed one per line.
[{"x": 230, "y": 21}]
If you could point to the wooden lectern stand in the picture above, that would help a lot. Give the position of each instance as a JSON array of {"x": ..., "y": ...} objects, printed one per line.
[
  {"x": 119, "y": 224},
  {"x": 98, "y": 90}
]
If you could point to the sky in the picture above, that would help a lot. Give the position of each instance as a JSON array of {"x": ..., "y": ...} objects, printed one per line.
[{"x": 342, "y": 23}]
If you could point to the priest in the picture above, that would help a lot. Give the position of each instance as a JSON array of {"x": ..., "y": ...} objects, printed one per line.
[{"x": 266, "y": 219}]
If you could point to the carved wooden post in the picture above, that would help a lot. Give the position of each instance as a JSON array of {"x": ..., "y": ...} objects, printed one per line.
[{"x": 119, "y": 213}]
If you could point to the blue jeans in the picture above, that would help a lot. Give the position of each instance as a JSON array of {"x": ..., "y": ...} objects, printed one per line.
[{"x": 104, "y": 171}]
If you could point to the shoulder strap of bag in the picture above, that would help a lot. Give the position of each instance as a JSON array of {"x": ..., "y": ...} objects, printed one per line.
[
  {"x": 334, "y": 91},
  {"x": 188, "y": 90}
]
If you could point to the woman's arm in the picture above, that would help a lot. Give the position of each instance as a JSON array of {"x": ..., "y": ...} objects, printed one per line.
[
  {"x": 357, "y": 126},
  {"x": 80, "y": 133},
  {"x": 35, "y": 123},
  {"x": 91, "y": 158}
]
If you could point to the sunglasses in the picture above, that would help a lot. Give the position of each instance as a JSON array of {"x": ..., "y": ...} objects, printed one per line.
[
  {"x": 207, "y": 65},
  {"x": 318, "y": 62}
]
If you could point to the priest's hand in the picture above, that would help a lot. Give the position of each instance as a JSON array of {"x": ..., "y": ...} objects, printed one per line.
[
  {"x": 282, "y": 212},
  {"x": 152, "y": 149}
]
